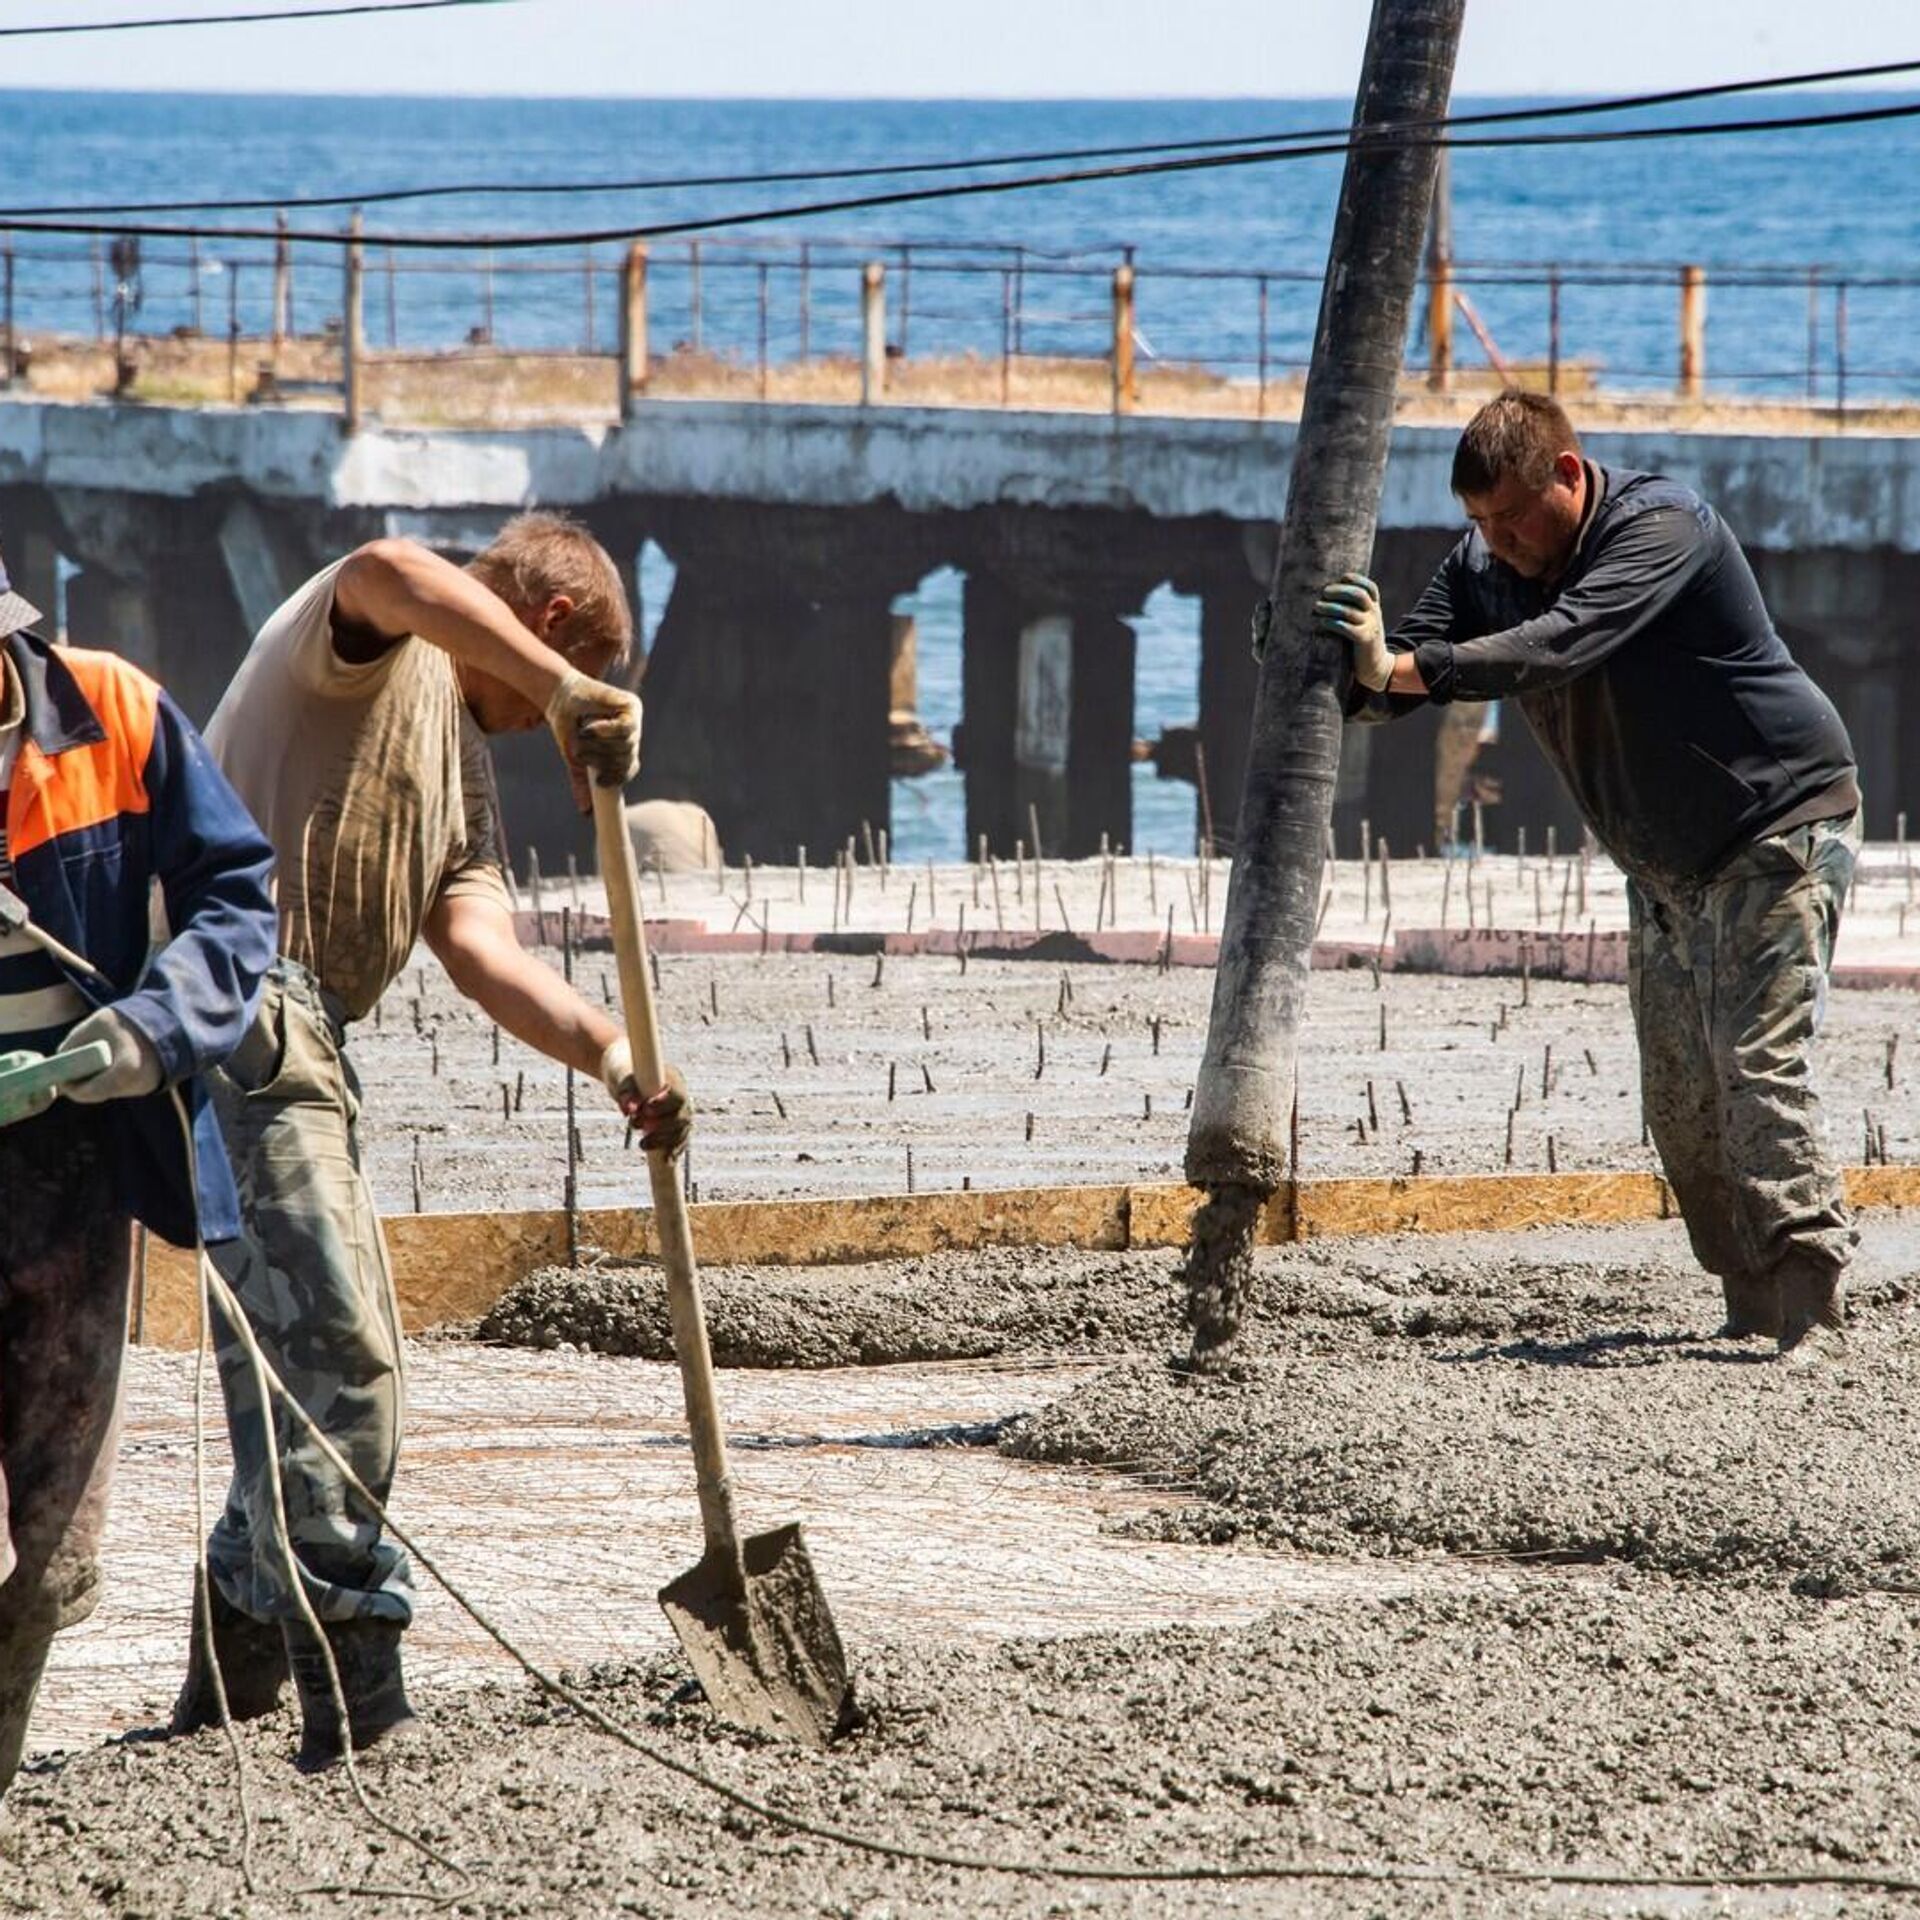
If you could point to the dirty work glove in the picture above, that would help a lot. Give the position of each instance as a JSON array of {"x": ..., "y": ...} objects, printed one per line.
[
  {"x": 133, "y": 1070},
  {"x": 598, "y": 728},
  {"x": 23, "y": 1106},
  {"x": 1349, "y": 610},
  {"x": 665, "y": 1119}
]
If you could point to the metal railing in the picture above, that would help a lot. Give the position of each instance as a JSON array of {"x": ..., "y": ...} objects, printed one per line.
[{"x": 755, "y": 312}]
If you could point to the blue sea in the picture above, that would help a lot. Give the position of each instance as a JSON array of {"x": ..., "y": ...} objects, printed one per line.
[{"x": 1811, "y": 239}]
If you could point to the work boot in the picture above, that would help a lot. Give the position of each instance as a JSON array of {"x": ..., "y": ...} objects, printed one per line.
[
  {"x": 253, "y": 1664},
  {"x": 367, "y": 1655},
  {"x": 1753, "y": 1306},
  {"x": 23, "y": 1659},
  {"x": 1813, "y": 1315}
]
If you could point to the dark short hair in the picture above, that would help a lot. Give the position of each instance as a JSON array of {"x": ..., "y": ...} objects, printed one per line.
[
  {"x": 1517, "y": 434},
  {"x": 537, "y": 555}
]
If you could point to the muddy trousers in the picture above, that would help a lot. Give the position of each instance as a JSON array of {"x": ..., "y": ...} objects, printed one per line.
[
  {"x": 66, "y": 1258},
  {"x": 310, "y": 1270},
  {"x": 1728, "y": 986}
]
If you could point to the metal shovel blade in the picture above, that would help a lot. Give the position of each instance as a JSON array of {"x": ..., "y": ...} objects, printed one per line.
[{"x": 769, "y": 1658}]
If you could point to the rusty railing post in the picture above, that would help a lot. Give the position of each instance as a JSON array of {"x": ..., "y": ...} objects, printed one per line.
[
  {"x": 233, "y": 330},
  {"x": 1813, "y": 334},
  {"x": 353, "y": 328},
  {"x": 1693, "y": 332},
  {"x": 633, "y": 328},
  {"x": 1260, "y": 409},
  {"x": 806, "y": 301},
  {"x": 1553, "y": 330},
  {"x": 1439, "y": 265},
  {"x": 764, "y": 295},
  {"x": 1840, "y": 353},
  {"x": 873, "y": 332},
  {"x": 281, "y": 320},
  {"x": 1123, "y": 382}
]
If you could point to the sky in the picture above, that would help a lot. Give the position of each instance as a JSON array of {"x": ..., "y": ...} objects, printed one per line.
[{"x": 936, "y": 49}]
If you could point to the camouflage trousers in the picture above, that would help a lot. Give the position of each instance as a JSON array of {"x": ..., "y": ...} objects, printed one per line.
[
  {"x": 310, "y": 1270},
  {"x": 66, "y": 1261},
  {"x": 1729, "y": 985}
]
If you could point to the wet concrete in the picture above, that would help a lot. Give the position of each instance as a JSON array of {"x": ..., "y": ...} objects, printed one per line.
[
  {"x": 1432, "y": 1429},
  {"x": 1558, "y": 1397}
]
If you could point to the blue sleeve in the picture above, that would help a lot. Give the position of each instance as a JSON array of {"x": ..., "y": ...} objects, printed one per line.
[{"x": 200, "y": 992}]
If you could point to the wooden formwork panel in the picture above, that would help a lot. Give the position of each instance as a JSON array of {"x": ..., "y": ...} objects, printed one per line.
[{"x": 450, "y": 1267}]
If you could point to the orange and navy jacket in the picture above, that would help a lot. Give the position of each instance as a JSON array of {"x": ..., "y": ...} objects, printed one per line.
[{"x": 113, "y": 791}]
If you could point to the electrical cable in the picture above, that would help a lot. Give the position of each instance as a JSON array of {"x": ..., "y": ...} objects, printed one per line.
[
  {"x": 268, "y": 1382},
  {"x": 1371, "y": 140},
  {"x": 57, "y": 28},
  {"x": 666, "y": 183}
]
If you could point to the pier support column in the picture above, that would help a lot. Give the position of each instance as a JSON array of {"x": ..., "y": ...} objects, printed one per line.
[
  {"x": 1100, "y": 735},
  {"x": 1228, "y": 673},
  {"x": 989, "y": 706},
  {"x": 768, "y": 705},
  {"x": 154, "y": 586},
  {"x": 1048, "y": 729},
  {"x": 107, "y": 612}
]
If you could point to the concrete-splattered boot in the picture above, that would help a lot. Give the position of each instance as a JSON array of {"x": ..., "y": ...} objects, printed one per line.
[
  {"x": 367, "y": 1656},
  {"x": 253, "y": 1664},
  {"x": 23, "y": 1659},
  {"x": 1813, "y": 1316},
  {"x": 1753, "y": 1306}
]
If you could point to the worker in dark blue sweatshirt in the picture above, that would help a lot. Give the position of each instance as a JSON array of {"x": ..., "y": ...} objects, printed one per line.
[{"x": 1618, "y": 612}]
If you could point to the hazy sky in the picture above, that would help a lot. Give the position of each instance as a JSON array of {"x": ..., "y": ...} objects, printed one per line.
[{"x": 1047, "y": 48}]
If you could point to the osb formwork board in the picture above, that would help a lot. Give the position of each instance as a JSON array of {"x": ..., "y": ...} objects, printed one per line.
[
  {"x": 1883, "y": 1186},
  {"x": 450, "y": 1267},
  {"x": 1477, "y": 1203},
  {"x": 1162, "y": 1215}
]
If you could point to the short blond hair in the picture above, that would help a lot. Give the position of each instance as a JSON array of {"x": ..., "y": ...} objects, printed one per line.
[{"x": 537, "y": 555}]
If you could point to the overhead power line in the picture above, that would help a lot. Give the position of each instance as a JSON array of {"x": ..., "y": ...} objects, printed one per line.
[
  {"x": 667, "y": 183},
  {"x": 521, "y": 242},
  {"x": 52, "y": 28}
]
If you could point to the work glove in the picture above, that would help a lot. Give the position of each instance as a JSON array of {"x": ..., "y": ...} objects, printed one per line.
[
  {"x": 1349, "y": 609},
  {"x": 133, "y": 1070},
  {"x": 598, "y": 728},
  {"x": 23, "y": 1106},
  {"x": 665, "y": 1118}
]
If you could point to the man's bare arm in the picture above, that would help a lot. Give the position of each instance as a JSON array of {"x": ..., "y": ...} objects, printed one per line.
[
  {"x": 1405, "y": 677},
  {"x": 397, "y": 587},
  {"x": 474, "y": 939}
]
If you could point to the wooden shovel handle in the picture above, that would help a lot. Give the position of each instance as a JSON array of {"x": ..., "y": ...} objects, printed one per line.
[{"x": 675, "y": 1233}]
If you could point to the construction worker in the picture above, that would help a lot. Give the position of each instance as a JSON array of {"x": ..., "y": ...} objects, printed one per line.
[
  {"x": 355, "y": 730},
  {"x": 106, "y": 794},
  {"x": 1618, "y": 611}
]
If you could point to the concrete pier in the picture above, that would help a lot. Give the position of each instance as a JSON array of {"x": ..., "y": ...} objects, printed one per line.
[{"x": 793, "y": 529}]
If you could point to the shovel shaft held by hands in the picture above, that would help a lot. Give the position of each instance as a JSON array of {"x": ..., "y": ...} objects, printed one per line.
[{"x": 622, "y": 877}]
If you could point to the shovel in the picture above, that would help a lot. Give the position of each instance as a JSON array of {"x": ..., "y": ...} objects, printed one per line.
[{"x": 750, "y": 1615}]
